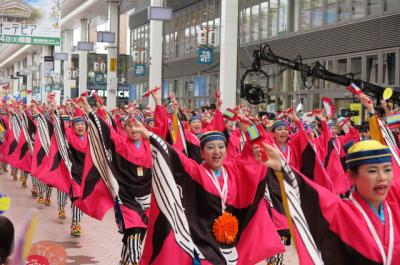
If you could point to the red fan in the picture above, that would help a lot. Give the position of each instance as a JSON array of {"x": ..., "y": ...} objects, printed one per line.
[
  {"x": 329, "y": 107},
  {"x": 150, "y": 91},
  {"x": 353, "y": 88},
  {"x": 85, "y": 94}
]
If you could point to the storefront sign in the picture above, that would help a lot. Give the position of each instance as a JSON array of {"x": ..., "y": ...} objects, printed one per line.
[
  {"x": 99, "y": 79},
  {"x": 41, "y": 22},
  {"x": 205, "y": 55},
  {"x": 140, "y": 69},
  {"x": 103, "y": 93}
]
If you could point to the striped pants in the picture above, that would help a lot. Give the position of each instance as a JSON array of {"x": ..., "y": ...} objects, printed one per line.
[
  {"x": 14, "y": 171},
  {"x": 275, "y": 260},
  {"x": 24, "y": 175},
  {"x": 34, "y": 183},
  {"x": 62, "y": 202},
  {"x": 132, "y": 246},
  {"x": 44, "y": 189},
  {"x": 76, "y": 215},
  {"x": 3, "y": 166}
]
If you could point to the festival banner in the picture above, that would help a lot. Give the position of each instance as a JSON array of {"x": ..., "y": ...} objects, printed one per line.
[{"x": 35, "y": 22}]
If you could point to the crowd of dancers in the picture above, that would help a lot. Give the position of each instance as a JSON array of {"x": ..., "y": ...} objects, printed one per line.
[{"x": 213, "y": 186}]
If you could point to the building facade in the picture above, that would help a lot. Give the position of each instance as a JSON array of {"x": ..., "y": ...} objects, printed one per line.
[{"x": 345, "y": 36}]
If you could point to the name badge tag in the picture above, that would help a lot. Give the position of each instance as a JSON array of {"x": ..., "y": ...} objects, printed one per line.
[{"x": 140, "y": 171}]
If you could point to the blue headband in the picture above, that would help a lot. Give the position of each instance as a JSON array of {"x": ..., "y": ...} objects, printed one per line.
[
  {"x": 149, "y": 120},
  {"x": 211, "y": 136},
  {"x": 279, "y": 123},
  {"x": 65, "y": 117},
  {"x": 78, "y": 119},
  {"x": 195, "y": 117}
]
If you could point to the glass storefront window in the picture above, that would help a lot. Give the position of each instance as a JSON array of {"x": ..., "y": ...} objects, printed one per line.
[
  {"x": 217, "y": 31},
  {"x": 329, "y": 65},
  {"x": 187, "y": 40},
  {"x": 330, "y": 12},
  {"x": 372, "y": 68},
  {"x": 389, "y": 68},
  {"x": 391, "y": 5},
  {"x": 356, "y": 67},
  {"x": 374, "y": 7},
  {"x": 357, "y": 9},
  {"x": 273, "y": 16},
  {"x": 193, "y": 39},
  {"x": 343, "y": 10},
  {"x": 316, "y": 14},
  {"x": 264, "y": 8},
  {"x": 255, "y": 13},
  {"x": 316, "y": 101},
  {"x": 166, "y": 46},
  {"x": 341, "y": 66},
  {"x": 283, "y": 16},
  {"x": 246, "y": 24},
  {"x": 305, "y": 8}
]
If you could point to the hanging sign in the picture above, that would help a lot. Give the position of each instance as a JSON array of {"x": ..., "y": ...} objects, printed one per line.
[
  {"x": 205, "y": 55},
  {"x": 140, "y": 69}
]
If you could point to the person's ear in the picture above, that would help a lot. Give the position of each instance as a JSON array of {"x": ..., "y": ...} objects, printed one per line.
[{"x": 352, "y": 174}]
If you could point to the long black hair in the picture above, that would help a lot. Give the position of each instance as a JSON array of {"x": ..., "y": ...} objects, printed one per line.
[{"x": 6, "y": 238}]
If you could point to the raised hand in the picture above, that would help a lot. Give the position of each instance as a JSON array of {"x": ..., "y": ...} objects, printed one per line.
[
  {"x": 156, "y": 96},
  {"x": 367, "y": 103},
  {"x": 274, "y": 158},
  {"x": 292, "y": 115}
]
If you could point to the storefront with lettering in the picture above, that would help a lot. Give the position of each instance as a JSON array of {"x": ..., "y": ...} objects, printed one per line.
[{"x": 97, "y": 77}]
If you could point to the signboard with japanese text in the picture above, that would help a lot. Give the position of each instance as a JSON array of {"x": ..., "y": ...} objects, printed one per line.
[
  {"x": 140, "y": 69},
  {"x": 205, "y": 55},
  {"x": 35, "y": 22}
]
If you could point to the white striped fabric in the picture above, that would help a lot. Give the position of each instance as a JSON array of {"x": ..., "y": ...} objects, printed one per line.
[
  {"x": 62, "y": 142},
  {"x": 390, "y": 141},
  {"x": 99, "y": 155},
  {"x": 15, "y": 125},
  {"x": 299, "y": 220},
  {"x": 168, "y": 197},
  {"x": 43, "y": 133}
]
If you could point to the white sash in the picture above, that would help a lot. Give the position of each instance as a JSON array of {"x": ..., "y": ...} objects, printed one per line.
[
  {"x": 387, "y": 260},
  {"x": 224, "y": 191},
  {"x": 334, "y": 145}
]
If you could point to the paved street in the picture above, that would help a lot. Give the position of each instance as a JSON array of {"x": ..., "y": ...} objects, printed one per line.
[{"x": 100, "y": 242}]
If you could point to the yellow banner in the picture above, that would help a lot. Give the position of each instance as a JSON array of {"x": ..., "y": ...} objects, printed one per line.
[
  {"x": 113, "y": 65},
  {"x": 356, "y": 107}
]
